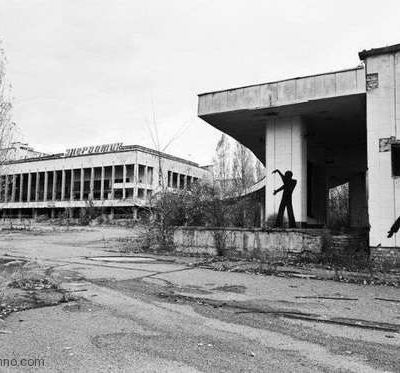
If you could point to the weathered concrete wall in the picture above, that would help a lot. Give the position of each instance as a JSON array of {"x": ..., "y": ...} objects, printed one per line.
[
  {"x": 383, "y": 121},
  {"x": 240, "y": 242},
  {"x": 385, "y": 256},
  {"x": 286, "y": 150}
]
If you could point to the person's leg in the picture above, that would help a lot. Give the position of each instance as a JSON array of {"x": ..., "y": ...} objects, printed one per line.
[
  {"x": 279, "y": 218},
  {"x": 394, "y": 228},
  {"x": 292, "y": 221}
]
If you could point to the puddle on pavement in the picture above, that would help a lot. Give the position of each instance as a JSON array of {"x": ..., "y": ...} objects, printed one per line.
[{"x": 123, "y": 259}]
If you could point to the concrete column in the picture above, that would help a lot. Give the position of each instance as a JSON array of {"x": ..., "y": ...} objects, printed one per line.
[
  {"x": 54, "y": 191},
  {"x": 82, "y": 184},
  {"x": 71, "y": 195},
  {"x": 102, "y": 183},
  {"x": 46, "y": 182},
  {"x": 37, "y": 187},
  {"x": 112, "y": 213},
  {"x": 52, "y": 213},
  {"x": 185, "y": 181},
  {"x": 286, "y": 150},
  {"x": 91, "y": 192},
  {"x": 62, "y": 184},
  {"x": 146, "y": 176},
  {"x": 21, "y": 185},
  {"x": 28, "y": 194},
  {"x": 5, "y": 188},
  {"x": 124, "y": 181},
  {"x": 383, "y": 122},
  {"x": 178, "y": 181},
  {"x": 34, "y": 213},
  {"x": 135, "y": 213},
  {"x": 13, "y": 187},
  {"x": 262, "y": 214},
  {"x": 136, "y": 179},
  {"x": 358, "y": 204},
  {"x": 112, "y": 181}
]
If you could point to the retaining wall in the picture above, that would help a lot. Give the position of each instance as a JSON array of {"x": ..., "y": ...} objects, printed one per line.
[{"x": 255, "y": 243}]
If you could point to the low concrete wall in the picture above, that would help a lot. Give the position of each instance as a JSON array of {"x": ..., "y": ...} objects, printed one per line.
[
  {"x": 255, "y": 243},
  {"x": 386, "y": 256}
]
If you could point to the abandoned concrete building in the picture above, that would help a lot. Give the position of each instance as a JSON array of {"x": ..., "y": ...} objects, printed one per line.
[
  {"x": 115, "y": 178},
  {"x": 328, "y": 129}
]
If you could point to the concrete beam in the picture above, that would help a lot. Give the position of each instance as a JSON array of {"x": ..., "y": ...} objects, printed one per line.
[{"x": 285, "y": 92}]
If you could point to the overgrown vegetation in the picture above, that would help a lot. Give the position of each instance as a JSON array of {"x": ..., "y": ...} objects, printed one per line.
[{"x": 338, "y": 207}]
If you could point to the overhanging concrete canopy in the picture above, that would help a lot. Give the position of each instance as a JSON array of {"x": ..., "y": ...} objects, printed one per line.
[{"x": 336, "y": 97}]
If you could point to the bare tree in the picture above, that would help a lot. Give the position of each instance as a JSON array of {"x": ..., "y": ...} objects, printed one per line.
[
  {"x": 242, "y": 169},
  {"x": 222, "y": 163},
  {"x": 6, "y": 124}
]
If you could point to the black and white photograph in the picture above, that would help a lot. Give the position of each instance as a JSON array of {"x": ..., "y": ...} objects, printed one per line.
[{"x": 199, "y": 186}]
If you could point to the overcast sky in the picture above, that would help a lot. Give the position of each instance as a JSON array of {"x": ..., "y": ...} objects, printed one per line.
[{"x": 93, "y": 72}]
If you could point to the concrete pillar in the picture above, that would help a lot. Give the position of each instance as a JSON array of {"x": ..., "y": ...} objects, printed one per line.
[
  {"x": 136, "y": 179},
  {"x": 382, "y": 71},
  {"x": 54, "y": 191},
  {"x": 71, "y": 195},
  {"x": 185, "y": 181},
  {"x": 82, "y": 184},
  {"x": 262, "y": 214},
  {"x": 358, "y": 204},
  {"x": 135, "y": 213},
  {"x": 45, "y": 188},
  {"x": 52, "y": 213},
  {"x": 37, "y": 186},
  {"x": 112, "y": 181},
  {"x": 28, "y": 194},
  {"x": 286, "y": 150},
  {"x": 34, "y": 214},
  {"x": 6, "y": 188},
  {"x": 178, "y": 180},
  {"x": 124, "y": 181},
  {"x": 91, "y": 192},
  {"x": 62, "y": 185},
  {"x": 146, "y": 175},
  {"x": 102, "y": 183},
  {"x": 112, "y": 213},
  {"x": 13, "y": 187}
]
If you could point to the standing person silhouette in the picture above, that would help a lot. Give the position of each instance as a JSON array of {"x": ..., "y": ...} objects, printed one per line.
[{"x": 288, "y": 186}]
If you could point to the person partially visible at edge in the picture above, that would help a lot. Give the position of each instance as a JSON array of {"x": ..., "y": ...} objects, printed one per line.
[
  {"x": 394, "y": 228},
  {"x": 286, "y": 202}
]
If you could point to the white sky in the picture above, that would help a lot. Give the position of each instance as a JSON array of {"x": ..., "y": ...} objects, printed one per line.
[{"x": 92, "y": 72}]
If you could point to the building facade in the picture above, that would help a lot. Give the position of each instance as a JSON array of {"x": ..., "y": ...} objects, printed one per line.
[
  {"x": 328, "y": 129},
  {"x": 115, "y": 178}
]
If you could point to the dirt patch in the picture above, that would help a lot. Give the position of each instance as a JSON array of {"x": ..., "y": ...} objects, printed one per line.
[
  {"x": 81, "y": 306},
  {"x": 26, "y": 285},
  {"x": 239, "y": 289}
]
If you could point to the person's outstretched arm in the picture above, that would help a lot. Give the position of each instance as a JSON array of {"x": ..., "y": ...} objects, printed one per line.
[
  {"x": 279, "y": 189},
  {"x": 277, "y": 171}
]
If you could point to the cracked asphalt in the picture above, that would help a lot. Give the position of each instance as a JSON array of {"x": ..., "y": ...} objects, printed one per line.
[{"x": 171, "y": 316}]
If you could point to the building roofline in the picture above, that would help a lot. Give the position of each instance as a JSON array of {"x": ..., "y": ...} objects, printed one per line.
[
  {"x": 125, "y": 148},
  {"x": 282, "y": 80},
  {"x": 378, "y": 51}
]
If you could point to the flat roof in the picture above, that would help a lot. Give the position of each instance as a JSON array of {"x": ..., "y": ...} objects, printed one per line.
[
  {"x": 378, "y": 51},
  {"x": 124, "y": 148},
  {"x": 283, "y": 80}
]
